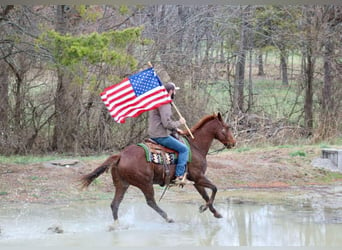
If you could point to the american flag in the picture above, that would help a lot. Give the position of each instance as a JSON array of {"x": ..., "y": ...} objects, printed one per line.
[{"x": 134, "y": 95}]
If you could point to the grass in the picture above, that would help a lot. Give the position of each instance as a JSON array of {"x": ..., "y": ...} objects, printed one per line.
[
  {"x": 242, "y": 149},
  {"x": 297, "y": 147},
  {"x": 27, "y": 159},
  {"x": 329, "y": 177},
  {"x": 30, "y": 159},
  {"x": 298, "y": 153},
  {"x": 34, "y": 178},
  {"x": 270, "y": 97}
]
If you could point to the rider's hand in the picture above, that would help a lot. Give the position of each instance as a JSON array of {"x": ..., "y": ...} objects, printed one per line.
[
  {"x": 182, "y": 120},
  {"x": 181, "y": 132}
]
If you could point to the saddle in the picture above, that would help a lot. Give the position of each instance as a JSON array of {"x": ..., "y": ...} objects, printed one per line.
[{"x": 160, "y": 154}]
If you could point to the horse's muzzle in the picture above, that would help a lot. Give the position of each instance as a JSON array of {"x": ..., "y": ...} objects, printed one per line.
[{"x": 230, "y": 144}]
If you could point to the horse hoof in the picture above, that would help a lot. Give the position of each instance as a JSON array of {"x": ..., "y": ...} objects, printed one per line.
[
  {"x": 113, "y": 227},
  {"x": 170, "y": 220},
  {"x": 117, "y": 226},
  {"x": 217, "y": 215},
  {"x": 203, "y": 208}
]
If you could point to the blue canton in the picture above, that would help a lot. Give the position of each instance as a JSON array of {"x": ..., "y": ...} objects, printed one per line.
[{"x": 144, "y": 81}]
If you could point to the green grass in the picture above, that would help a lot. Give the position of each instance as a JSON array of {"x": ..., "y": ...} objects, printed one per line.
[
  {"x": 242, "y": 149},
  {"x": 270, "y": 98},
  {"x": 30, "y": 159},
  {"x": 27, "y": 159},
  {"x": 298, "y": 153},
  {"x": 329, "y": 176},
  {"x": 285, "y": 146},
  {"x": 35, "y": 178}
]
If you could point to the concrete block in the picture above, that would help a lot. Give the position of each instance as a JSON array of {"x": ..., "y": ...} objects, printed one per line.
[{"x": 335, "y": 155}]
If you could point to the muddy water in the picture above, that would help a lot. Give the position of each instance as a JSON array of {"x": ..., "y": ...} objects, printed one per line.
[{"x": 86, "y": 224}]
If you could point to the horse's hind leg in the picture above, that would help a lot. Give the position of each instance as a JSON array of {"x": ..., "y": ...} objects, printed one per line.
[
  {"x": 120, "y": 190},
  {"x": 149, "y": 196}
]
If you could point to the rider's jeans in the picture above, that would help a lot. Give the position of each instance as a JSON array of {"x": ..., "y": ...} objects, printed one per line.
[{"x": 182, "y": 149}]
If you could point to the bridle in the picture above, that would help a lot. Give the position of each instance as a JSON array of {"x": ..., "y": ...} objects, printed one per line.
[{"x": 217, "y": 150}]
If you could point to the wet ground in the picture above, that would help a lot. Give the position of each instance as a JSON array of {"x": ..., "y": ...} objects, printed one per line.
[
  {"x": 267, "y": 198},
  {"x": 244, "y": 224}
]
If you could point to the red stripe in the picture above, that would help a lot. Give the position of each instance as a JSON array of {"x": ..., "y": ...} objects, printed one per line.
[
  {"x": 159, "y": 101},
  {"x": 119, "y": 85},
  {"x": 137, "y": 100},
  {"x": 119, "y": 88},
  {"x": 120, "y": 103},
  {"x": 142, "y": 110}
]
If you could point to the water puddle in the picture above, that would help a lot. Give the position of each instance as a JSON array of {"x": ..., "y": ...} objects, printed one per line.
[{"x": 86, "y": 224}]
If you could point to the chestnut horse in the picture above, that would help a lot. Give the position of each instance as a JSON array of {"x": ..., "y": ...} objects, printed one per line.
[{"x": 130, "y": 167}]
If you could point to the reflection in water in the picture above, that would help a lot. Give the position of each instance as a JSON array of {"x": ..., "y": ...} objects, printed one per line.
[
  {"x": 271, "y": 225},
  {"x": 85, "y": 224}
]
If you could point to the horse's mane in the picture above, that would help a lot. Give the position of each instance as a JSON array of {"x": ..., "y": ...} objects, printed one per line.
[{"x": 199, "y": 124}]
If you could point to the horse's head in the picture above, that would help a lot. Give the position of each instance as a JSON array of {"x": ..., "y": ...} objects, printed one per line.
[{"x": 224, "y": 133}]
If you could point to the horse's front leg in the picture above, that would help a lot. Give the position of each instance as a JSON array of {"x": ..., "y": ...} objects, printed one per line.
[{"x": 200, "y": 186}]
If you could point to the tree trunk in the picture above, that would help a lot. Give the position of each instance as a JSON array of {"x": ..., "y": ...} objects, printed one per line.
[
  {"x": 260, "y": 65},
  {"x": 327, "y": 100},
  {"x": 250, "y": 82},
  {"x": 308, "y": 104},
  {"x": 283, "y": 65},
  {"x": 18, "y": 97},
  {"x": 328, "y": 122},
  {"x": 4, "y": 85},
  {"x": 66, "y": 102},
  {"x": 4, "y": 100},
  {"x": 238, "y": 101}
]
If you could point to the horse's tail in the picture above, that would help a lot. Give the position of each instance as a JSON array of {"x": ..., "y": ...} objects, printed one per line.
[{"x": 111, "y": 161}]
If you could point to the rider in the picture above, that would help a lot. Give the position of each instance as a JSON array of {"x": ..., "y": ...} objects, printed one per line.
[{"x": 161, "y": 125}]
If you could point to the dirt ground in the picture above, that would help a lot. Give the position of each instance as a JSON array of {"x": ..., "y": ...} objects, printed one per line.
[{"x": 263, "y": 175}]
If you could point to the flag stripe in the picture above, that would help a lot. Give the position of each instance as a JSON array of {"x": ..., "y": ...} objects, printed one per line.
[
  {"x": 131, "y": 102},
  {"x": 141, "y": 104},
  {"x": 115, "y": 92},
  {"x": 138, "y": 103},
  {"x": 127, "y": 99}
]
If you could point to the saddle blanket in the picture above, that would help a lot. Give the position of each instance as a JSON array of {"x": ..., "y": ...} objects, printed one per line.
[{"x": 159, "y": 154}]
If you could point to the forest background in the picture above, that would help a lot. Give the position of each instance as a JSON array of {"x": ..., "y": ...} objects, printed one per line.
[{"x": 274, "y": 72}]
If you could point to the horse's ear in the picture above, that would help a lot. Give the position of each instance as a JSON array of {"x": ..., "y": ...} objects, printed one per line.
[{"x": 219, "y": 116}]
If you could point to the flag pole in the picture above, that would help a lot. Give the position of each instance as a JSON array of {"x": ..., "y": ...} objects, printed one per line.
[
  {"x": 186, "y": 126},
  {"x": 177, "y": 110}
]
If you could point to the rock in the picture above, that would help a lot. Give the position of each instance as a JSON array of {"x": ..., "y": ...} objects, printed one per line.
[
  {"x": 56, "y": 229},
  {"x": 325, "y": 164},
  {"x": 65, "y": 163}
]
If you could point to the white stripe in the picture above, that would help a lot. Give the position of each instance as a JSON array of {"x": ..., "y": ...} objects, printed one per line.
[
  {"x": 114, "y": 103},
  {"x": 118, "y": 86},
  {"x": 140, "y": 106},
  {"x": 140, "y": 103}
]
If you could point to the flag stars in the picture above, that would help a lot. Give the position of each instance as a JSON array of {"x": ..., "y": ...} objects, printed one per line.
[{"x": 144, "y": 82}]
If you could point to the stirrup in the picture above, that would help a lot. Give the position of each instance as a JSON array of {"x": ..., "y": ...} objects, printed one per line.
[{"x": 183, "y": 181}]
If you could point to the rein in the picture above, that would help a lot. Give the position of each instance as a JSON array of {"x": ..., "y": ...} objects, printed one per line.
[
  {"x": 209, "y": 153},
  {"x": 217, "y": 151}
]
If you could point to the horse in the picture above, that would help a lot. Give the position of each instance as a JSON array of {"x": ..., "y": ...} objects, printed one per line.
[{"x": 130, "y": 167}]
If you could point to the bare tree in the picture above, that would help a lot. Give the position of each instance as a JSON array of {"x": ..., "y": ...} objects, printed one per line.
[
  {"x": 239, "y": 83},
  {"x": 5, "y": 50},
  {"x": 47, "y": 105},
  {"x": 329, "y": 114}
]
